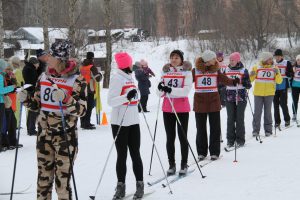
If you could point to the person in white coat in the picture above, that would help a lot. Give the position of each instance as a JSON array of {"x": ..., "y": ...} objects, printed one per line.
[{"x": 123, "y": 98}]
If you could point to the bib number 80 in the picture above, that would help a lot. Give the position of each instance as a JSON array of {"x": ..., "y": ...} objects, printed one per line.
[{"x": 48, "y": 95}]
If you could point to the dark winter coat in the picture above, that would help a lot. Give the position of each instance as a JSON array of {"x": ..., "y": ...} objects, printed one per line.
[
  {"x": 243, "y": 94},
  {"x": 30, "y": 75},
  {"x": 209, "y": 102},
  {"x": 143, "y": 82},
  {"x": 42, "y": 68}
]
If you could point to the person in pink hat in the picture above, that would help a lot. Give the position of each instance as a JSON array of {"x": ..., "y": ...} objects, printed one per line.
[
  {"x": 236, "y": 103},
  {"x": 123, "y": 98}
]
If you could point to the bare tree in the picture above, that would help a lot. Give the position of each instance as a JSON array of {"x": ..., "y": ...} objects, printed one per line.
[
  {"x": 45, "y": 15},
  {"x": 72, "y": 22},
  {"x": 107, "y": 70},
  {"x": 1, "y": 32}
]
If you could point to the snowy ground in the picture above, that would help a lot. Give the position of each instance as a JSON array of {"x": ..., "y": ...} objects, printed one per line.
[{"x": 263, "y": 171}]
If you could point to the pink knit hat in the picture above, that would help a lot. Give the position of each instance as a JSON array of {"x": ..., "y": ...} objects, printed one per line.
[
  {"x": 235, "y": 56},
  {"x": 123, "y": 60}
]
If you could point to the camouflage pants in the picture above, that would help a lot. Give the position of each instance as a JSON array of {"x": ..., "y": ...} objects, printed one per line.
[{"x": 53, "y": 162}]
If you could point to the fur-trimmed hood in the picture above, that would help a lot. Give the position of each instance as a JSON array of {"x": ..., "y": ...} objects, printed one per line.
[
  {"x": 186, "y": 66},
  {"x": 200, "y": 65},
  {"x": 71, "y": 67}
]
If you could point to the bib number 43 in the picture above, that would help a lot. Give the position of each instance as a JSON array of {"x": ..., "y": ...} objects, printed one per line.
[{"x": 173, "y": 83}]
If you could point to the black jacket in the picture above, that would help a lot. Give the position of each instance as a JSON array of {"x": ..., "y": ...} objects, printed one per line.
[{"x": 30, "y": 75}]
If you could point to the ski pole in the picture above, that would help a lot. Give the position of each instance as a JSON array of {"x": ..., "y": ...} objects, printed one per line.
[
  {"x": 66, "y": 139},
  {"x": 156, "y": 149},
  {"x": 183, "y": 132},
  {"x": 16, "y": 154},
  {"x": 258, "y": 136},
  {"x": 236, "y": 102},
  {"x": 109, "y": 153},
  {"x": 294, "y": 107},
  {"x": 155, "y": 129}
]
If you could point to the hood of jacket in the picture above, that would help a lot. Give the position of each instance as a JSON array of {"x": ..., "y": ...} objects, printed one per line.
[
  {"x": 238, "y": 66},
  {"x": 69, "y": 68},
  {"x": 186, "y": 66},
  {"x": 200, "y": 65}
]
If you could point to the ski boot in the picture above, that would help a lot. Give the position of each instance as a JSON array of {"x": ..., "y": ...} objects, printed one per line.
[
  {"x": 120, "y": 191},
  {"x": 139, "y": 190},
  {"x": 287, "y": 123},
  {"x": 201, "y": 157},
  {"x": 172, "y": 169},
  {"x": 183, "y": 169}
]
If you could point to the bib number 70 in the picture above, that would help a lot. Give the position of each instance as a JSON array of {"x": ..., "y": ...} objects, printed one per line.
[{"x": 266, "y": 74}]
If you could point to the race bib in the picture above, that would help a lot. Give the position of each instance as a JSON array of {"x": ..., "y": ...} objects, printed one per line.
[
  {"x": 129, "y": 85},
  {"x": 205, "y": 83},
  {"x": 174, "y": 79},
  {"x": 265, "y": 75}
]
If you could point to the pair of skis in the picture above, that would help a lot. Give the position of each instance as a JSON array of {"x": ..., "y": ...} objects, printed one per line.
[
  {"x": 24, "y": 191},
  {"x": 174, "y": 178}
]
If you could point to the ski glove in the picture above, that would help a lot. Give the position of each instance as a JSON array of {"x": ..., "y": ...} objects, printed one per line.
[
  {"x": 252, "y": 73},
  {"x": 23, "y": 95},
  {"x": 236, "y": 81},
  {"x": 160, "y": 86},
  {"x": 166, "y": 89},
  {"x": 58, "y": 95},
  {"x": 131, "y": 94}
]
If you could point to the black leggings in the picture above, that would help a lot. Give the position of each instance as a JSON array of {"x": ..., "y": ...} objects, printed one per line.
[
  {"x": 295, "y": 93},
  {"x": 129, "y": 137},
  {"x": 170, "y": 127}
]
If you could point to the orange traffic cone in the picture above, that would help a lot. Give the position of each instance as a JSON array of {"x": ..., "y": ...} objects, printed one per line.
[{"x": 104, "y": 119}]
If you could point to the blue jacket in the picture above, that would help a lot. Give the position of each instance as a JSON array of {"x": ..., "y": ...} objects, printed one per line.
[
  {"x": 4, "y": 90},
  {"x": 294, "y": 82},
  {"x": 289, "y": 73}
]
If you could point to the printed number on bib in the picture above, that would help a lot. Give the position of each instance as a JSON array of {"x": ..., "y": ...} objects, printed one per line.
[
  {"x": 173, "y": 83},
  {"x": 48, "y": 95},
  {"x": 266, "y": 74},
  {"x": 204, "y": 81}
]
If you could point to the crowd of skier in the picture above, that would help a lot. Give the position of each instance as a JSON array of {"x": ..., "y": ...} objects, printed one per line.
[{"x": 57, "y": 90}]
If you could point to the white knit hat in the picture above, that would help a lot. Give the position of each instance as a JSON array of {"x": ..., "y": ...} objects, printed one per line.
[
  {"x": 264, "y": 56},
  {"x": 298, "y": 57},
  {"x": 208, "y": 55}
]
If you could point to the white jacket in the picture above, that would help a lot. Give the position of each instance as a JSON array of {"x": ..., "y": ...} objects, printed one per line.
[{"x": 117, "y": 99}]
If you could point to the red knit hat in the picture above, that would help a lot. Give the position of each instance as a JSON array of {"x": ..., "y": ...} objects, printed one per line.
[
  {"x": 235, "y": 56},
  {"x": 123, "y": 60}
]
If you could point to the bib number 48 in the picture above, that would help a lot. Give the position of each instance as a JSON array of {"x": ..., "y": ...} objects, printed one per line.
[{"x": 206, "y": 81}]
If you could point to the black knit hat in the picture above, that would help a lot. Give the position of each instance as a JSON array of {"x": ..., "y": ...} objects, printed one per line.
[
  {"x": 278, "y": 52},
  {"x": 33, "y": 60},
  {"x": 61, "y": 49},
  {"x": 90, "y": 55},
  {"x": 40, "y": 52},
  {"x": 179, "y": 53}
]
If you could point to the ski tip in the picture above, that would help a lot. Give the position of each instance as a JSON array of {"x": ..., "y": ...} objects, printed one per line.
[
  {"x": 92, "y": 197},
  {"x": 149, "y": 184}
]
